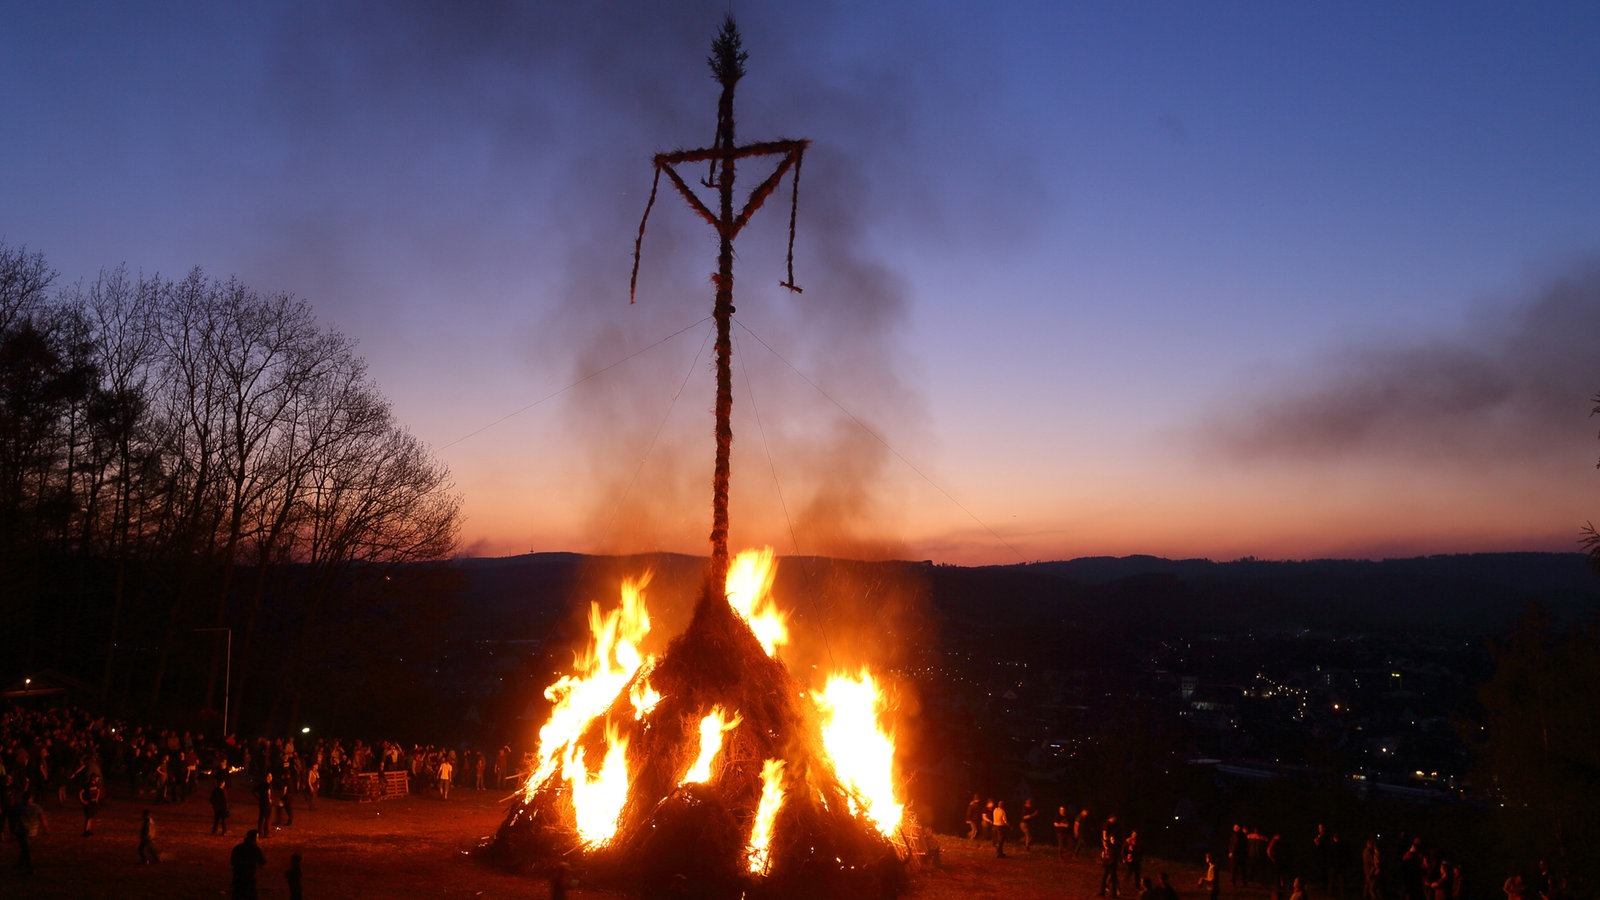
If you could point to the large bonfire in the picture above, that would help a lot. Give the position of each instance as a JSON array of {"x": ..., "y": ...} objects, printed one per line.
[
  {"x": 710, "y": 771},
  {"x": 710, "y": 767}
]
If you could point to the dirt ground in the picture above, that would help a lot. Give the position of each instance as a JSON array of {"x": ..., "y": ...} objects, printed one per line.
[{"x": 421, "y": 847}]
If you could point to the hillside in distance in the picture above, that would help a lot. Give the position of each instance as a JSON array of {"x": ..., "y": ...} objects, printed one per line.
[{"x": 545, "y": 594}]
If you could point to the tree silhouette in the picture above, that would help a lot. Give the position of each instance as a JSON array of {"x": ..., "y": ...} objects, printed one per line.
[{"x": 192, "y": 453}]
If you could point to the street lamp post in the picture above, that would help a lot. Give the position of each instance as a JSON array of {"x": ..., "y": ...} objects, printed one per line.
[{"x": 227, "y": 677}]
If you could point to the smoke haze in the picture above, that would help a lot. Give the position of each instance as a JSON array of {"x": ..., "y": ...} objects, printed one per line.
[{"x": 1512, "y": 385}]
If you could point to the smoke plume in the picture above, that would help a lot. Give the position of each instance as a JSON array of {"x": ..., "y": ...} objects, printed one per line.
[{"x": 1512, "y": 386}]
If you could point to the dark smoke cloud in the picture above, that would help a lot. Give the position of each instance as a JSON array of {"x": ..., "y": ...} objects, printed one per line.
[{"x": 1510, "y": 387}]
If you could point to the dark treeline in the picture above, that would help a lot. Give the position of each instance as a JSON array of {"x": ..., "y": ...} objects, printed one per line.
[{"x": 192, "y": 454}]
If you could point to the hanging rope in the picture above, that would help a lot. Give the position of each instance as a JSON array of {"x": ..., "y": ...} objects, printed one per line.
[
  {"x": 638, "y": 242},
  {"x": 794, "y": 208}
]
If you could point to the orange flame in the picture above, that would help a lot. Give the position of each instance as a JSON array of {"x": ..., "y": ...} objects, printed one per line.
[
  {"x": 601, "y": 674},
  {"x": 749, "y": 588},
  {"x": 772, "y": 794},
  {"x": 598, "y": 797},
  {"x": 862, "y": 753},
  {"x": 712, "y": 728}
]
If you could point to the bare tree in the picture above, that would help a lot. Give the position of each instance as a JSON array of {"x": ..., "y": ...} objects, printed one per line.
[
  {"x": 282, "y": 455},
  {"x": 121, "y": 461},
  {"x": 176, "y": 437},
  {"x": 25, "y": 281},
  {"x": 377, "y": 499},
  {"x": 330, "y": 408},
  {"x": 189, "y": 398}
]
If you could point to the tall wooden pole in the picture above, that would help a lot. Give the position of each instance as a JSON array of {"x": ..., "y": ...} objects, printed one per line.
[
  {"x": 727, "y": 63},
  {"x": 727, "y": 66}
]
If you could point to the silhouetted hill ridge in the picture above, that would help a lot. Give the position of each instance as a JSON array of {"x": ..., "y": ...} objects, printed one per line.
[{"x": 1462, "y": 594}]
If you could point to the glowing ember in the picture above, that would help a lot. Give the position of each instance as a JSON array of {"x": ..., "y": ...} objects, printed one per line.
[
  {"x": 863, "y": 755},
  {"x": 598, "y": 797},
  {"x": 772, "y": 793},
  {"x": 749, "y": 588},
  {"x": 600, "y": 676},
  {"x": 712, "y": 728}
]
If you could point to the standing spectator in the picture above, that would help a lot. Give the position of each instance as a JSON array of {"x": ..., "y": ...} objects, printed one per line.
[
  {"x": 446, "y": 772},
  {"x": 313, "y": 784},
  {"x": 89, "y": 798},
  {"x": 219, "y": 806},
  {"x": 998, "y": 822},
  {"x": 147, "y": 839},
  {"x": 158, "y": 779},
  {"x": 293, "y": 876},
  {"x": 502, "y": 765},
  {"x": 1133, "y": 857},
  {"x": 191, "y": 769},
  {"x": 1063, "y": 830},
  {"x": 1371, "y": 870},
  {"x": 1080, "y": 832},
  {"x": 1412, "y": 865},
  {"x": 1257, "y": 866},
  {"x": 1439, "y": 884},
  {"x": 1027, "y": 821},
  {"x": 263, "y": 806},
  {"x": 26, "y": 821},
  {"x": 336, "y": 759},
  {"x": 1238, "y": 848},
  {"x": 1110, "y": 857},
  {"x": 974, "y": 817},
  {"x": 286, "y": 803},
  {"x": 245, "y": 860},
  {"x": 1209, "y": 879},
  {"x": 477, "y": 766}
]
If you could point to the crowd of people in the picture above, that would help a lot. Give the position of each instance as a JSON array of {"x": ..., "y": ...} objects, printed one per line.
[
  {"x": 62, "y": 757},
  {"x": 1071, "y": 834},
  {"x": 1403, "y": 867}
]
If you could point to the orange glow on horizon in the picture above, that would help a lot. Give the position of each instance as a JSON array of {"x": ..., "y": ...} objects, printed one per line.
[{"x": 1224, "y": 514}]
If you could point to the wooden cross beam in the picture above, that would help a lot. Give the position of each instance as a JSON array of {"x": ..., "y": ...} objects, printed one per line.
[{"x": 727, "y": 66}]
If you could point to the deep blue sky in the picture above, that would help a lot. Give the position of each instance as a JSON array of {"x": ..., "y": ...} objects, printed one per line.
[{"x": 1188, "y": 279}]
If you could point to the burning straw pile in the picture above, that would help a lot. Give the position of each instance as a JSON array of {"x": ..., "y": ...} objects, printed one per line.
[{"x": 710, "y": 770}]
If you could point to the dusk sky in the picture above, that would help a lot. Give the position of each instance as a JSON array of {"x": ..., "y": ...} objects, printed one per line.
[{"x": 1211, "y": 279}]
